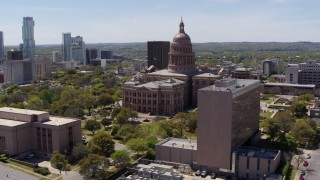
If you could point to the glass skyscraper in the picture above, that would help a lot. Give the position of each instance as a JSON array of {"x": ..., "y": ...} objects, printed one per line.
[
  {"x": 1, "y": 45},
  {"x": 66, "y": 46},
  {"x": 28, "y": 38}
]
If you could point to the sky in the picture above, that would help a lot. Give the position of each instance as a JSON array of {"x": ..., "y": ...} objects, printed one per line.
[{"x": 120, "y": 21}]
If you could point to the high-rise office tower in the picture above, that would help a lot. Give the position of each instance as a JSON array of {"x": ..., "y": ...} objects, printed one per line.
[
  {"x": 78, "y": 50},
  {"x": 91, "y": 54},
  {"x": 66, "y": 46},
  {"x": 228, "y": 115},
  {"x": 1, "y": 45},
  {"x": 28, "y": 38},
  {"x": 158, "y": 54}
]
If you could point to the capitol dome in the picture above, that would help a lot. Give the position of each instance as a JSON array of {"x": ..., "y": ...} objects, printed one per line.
[
  {"x": 181, "y": 56},
  {"x": 181, "y": 37}
]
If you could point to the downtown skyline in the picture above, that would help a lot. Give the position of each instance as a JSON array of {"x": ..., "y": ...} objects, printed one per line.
[{"x": 147, "y": 20}]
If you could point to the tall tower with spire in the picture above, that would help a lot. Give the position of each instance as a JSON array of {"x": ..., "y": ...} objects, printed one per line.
[
  {"x": 181, "y": 56},
  {"x": 28, "y": 38}
]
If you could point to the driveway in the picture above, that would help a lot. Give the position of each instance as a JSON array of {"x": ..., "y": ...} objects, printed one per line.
[{"x": 14, "y": 174}]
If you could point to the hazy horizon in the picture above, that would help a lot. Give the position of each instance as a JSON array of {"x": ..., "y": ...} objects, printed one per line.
[{"x": 126, "y": 21}]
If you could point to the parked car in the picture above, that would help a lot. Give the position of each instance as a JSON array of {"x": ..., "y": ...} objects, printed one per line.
[
  {"x": 30, "y": 156},
  {"x": 301, "y": 178},
  {"x": 213, "y": 176},
  {"x": 308, "y": 156},
  {"x": 203, "y": 173},
  {"x": 305, "y": 163},
  {"x": 302, "y": 173},
  {"x": 198, "y": 173}
]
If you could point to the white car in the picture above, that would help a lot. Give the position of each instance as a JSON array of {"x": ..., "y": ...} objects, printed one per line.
[{"x": 308, "y": 156}]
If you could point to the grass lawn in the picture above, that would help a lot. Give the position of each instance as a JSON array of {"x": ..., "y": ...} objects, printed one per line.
[
  {"x": 293, "y": 173},
  {"x": 266, "y": 114}
]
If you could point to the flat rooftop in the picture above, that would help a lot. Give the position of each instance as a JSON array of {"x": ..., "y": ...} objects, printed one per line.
[
  {"x": 256, "y": 152},
  {"x": 179, "y": 143},
  {"x": 235, "y": 86},
  {"x": 11, "y": 123},
  {"x": 291, "y": 85},
  {"x": 57, "y": 121},
  {"x": 21, "y": 111}
]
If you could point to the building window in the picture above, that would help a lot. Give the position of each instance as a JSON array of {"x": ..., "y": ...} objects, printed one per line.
[
  {"x": 70, "y": 137},
  {"x": 248, "y": 162},
  {"x": 269, "y": 163},
  {"x": 44, "y": 139},
  {"x": 50, "y": 149},
  {"x": 38, "y": 139},
  {"x": 258, "y": 164}
]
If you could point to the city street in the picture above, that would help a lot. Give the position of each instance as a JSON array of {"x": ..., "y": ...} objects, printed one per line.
[
  {"x": 14, "y": 174},
  {"x": 313, "y": 170}
]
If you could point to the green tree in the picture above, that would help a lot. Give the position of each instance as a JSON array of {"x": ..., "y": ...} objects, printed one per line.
[
  {"x": 101, "y": 143},
  {"x": 124, "y": 114},
  {"x": 285, "y": 121},
  {"x": 105, "y": 99},
  {"x": 305, "y": 97},
  {"x": 138, "y": 145},
  {"x": 272, "y": 79},
  {"x": 92, "y": 125},
  {"x": 121, "y": 158},
  {"x": 299, "y": 109},
  {"x": 270, "y": 126},
  {"x": 79, "y": 151},
  {"x": 106, "y": 122},
  {"x": 93, "y": 167},
  {"x": 303, "y": 132},
  {"x": 58, "y": 161}
]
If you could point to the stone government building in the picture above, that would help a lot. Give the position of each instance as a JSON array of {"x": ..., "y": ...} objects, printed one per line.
[{"x": 170, "y": 90}]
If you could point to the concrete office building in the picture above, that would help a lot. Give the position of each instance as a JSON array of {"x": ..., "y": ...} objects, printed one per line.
[
  {"x": 23, "y": 131},
  {"x": 66, "y": 46},
  {"x": 16, "y": 70},
  {"x": 309, "y": 72},
  {"x": 269, "y": 67},
  {"x": 158, "y": 54},
  {"x": 303, "y": 73},
  {"x": 42, "y": 69},
  {"x": 28, "y": 38},
  {"x": 292, "y": 72},
  {"x": 56, "y": 56},
  {"x": 1, "y": 45},
  {"x": 228, "y": 117}
]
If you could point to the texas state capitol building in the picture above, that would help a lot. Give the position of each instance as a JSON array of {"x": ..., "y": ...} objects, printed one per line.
[
  {"x": 168, "y": 91},
  {"x": 23, "y": 131}
]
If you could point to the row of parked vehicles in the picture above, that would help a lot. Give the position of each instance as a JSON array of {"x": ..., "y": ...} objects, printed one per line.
[
  {"x": 205, "y": 174},
  {"x": 304, "y": 164}
]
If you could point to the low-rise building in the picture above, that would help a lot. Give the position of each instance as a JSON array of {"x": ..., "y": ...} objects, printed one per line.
[
  {"x": 242, "y": 73},
  {"x": 23, "y": 131},
  {"x": 288, "y": 89},
  {"x": 253, "y": 163}
]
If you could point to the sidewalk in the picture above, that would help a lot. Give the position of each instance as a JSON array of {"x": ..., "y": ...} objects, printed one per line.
[{"x": 24, "y": 170}]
